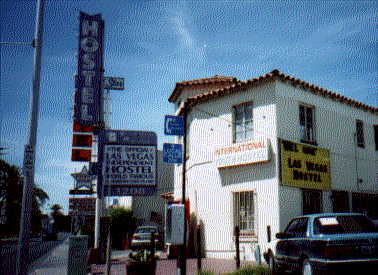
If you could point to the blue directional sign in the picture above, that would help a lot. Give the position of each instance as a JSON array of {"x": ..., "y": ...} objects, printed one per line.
[
  {"x": 172, "y": 153},
  {"x": 174, "y": 125}
]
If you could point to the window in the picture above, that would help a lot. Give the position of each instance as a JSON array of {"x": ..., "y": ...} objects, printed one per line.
[
  {"x": 306, "y": 122},
  {"x": 365, "y": 203},
  {"x": 376, "y": 136},
  {"x": 340, "y": 201},
  {"x": 343, "y": 225},
  {"x": 297, "y": 227},
  {"x": 360, "y": 133},
  {"x": 312, "y": 201},
  {"x": 244, "y": 212},
  {"x": 243, "y": 122}
]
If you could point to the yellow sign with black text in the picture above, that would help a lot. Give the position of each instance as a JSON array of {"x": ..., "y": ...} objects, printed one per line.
[{"x": 305, "y": 166}]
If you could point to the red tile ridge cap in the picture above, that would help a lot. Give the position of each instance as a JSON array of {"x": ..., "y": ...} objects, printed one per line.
[{"x": 276, "y": 74}]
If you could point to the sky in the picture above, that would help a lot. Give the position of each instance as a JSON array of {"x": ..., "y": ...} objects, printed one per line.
[{"x": 154, "y": 44}]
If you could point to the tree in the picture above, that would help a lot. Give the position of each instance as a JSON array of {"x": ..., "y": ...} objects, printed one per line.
[
  {"x": 11, "y": 189},
  {"x": 123, "y": 225},
  {"x": 62, "y": 222}
]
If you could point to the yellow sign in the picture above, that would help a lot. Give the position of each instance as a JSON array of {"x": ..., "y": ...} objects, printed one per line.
[{"x": 305, "y": 166}]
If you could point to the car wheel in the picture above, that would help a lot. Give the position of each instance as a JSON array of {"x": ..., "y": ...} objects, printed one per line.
[{"x": 307, "y": 268}]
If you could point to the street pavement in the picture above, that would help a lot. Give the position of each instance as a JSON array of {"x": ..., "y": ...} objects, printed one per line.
[{"x": 56, "y": 262}]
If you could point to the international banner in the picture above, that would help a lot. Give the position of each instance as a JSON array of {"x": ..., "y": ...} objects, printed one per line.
[{"x": 305, "y": 166}]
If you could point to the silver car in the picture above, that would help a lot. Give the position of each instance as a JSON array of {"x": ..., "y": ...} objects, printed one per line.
[{"x": 142, "y": 237}]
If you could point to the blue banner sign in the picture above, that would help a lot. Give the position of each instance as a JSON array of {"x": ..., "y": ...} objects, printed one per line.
[
  {"x": 172, "y": 153},
  {"x": 90, "y": 70},
  {"x": 174, "y": 125}
]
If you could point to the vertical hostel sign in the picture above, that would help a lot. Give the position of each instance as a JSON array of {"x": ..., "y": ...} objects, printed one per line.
[
  {"x": 90, "y": 70},
  {"x": 128, "y": 163}
]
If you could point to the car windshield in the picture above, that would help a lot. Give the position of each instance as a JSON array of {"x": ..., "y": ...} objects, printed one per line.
[
  {"x": 343, "y": 224},
  {"x": 146, "y": 230}
]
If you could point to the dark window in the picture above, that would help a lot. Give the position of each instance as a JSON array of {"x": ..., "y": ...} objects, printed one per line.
[
  {"x": 343, "y": 224},
  {"x": 243, "y": 122},
  {"x": 366, "y": 204},
  {"x": 360, "y": 133},
  {"x": 340, "y": 201},
  {"x": 297, "y": 227},
  {"x": 376, "y": 136},
  {"x": 307, "y": 124},
  {"x": 312, "y": 201}
]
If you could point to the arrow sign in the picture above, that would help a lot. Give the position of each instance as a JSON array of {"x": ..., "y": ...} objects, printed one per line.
[{"x": 172, "y": 153}]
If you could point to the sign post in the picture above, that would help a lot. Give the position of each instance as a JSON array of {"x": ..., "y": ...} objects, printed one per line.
[{"x": 176, "y": 126}]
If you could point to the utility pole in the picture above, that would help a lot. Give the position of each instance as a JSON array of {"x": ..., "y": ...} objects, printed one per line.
[
  {"x": 29, "y": 153},
  {"x": 182, "y": 258}
]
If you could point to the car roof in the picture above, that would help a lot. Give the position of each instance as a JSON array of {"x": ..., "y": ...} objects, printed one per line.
[{"x": 330, "y": 214}]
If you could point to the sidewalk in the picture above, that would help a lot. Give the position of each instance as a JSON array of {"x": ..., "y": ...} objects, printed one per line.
[
  {"x": 56, "y": 262},
  {"x": 169, "y": 266}
]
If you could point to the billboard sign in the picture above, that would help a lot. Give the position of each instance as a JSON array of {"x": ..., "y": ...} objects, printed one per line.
[
  {"x": 305, "y": 166},
  {"x": 90, "y": 70},
  {"x": 128, "y": 163}
]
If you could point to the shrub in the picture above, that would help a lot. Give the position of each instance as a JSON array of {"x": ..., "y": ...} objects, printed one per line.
[
  {"x": 252, "y": 270},
  {"x": 205, "y": 272}
]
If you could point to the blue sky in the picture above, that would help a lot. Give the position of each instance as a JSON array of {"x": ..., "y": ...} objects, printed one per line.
[{"x": 154, "y": 44}]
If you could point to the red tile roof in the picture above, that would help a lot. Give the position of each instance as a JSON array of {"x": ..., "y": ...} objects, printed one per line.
[
  {"x": 237, "y": 86},
  {"x": 217, "y": 79}
]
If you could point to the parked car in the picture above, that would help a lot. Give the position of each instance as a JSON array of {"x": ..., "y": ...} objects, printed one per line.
[
  {"x": 142, "y": 237},
  {"x": 329, "y": 242}
]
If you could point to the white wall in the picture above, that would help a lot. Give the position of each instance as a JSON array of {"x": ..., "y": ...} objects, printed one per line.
[
  {"x": 335, "y": 126},
  {"x": 210, "y": 188},
  {"x": 276, "y": 115}
]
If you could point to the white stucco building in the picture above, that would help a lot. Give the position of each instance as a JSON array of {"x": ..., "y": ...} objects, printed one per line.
[{"x": 262, "y": 151}]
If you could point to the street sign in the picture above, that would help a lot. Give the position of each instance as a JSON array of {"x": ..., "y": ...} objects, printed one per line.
[
  {"x": 114, "y": 83},
  {"x": 127, "y": 161},
  {"x": 174, "y": 125},
  {"x": 29, "y": 158},
  {"x": 172, "y": 153}
]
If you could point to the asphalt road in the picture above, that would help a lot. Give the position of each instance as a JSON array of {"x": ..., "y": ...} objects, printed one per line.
[{"x": 8, "y": 254}]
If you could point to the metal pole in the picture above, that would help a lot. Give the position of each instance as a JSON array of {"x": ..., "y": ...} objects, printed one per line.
[
  {"x": 29, "y": 154},
  {"x": 182, "y": 258}
]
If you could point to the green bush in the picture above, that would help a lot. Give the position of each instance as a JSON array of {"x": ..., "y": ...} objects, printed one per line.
[
  {"x": 205, "y": 272},
  {"x": 252, "y": 270}
]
